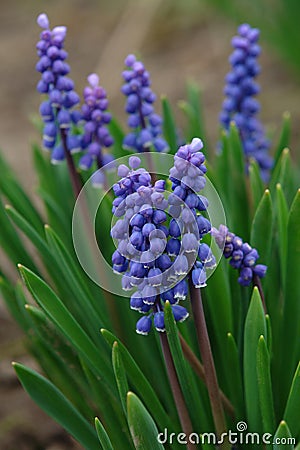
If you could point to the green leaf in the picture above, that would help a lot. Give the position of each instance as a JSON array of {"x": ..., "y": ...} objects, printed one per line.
[
  {"x": 13, "y": 302},
  {"x": 284, "y": 138},
  {"x": 102, "y": 435},
  {"x": 269, "y": 335},
  {"x": 283, "y": 439},
  {"x": 263, "y": 220},
  {"x": 256, "y": 184},
  {"x": 142, "y": 427},
  {"x": 291, "y": 311},
  {"x": 75, "y": 281},
  {"x": 292, "y": 409},
  {"x": 61, "y": 317},
  {"x": 169, "y": 126},
  {"x": 140, "y": 382},
  {"x": 36, "y": 239},
  {"x": 111, "y": 411},
  {"x": 15, "y": 193},
  {"x": 53, "y": 402},
  {"x": 255, "y": 326},
  {"x": 236, "y": 384},
  {"x": 193, "y": 111},
  {"x": 11, "y": 243},
  {"x": 53, "y": 180},
  {"x": 120, "y": 374},
  {"x": 282, "y": 220},
  {"x": 218, "y": 293},
  {"x": 117, "y": 133},
  {"x": 265, "y": 386},
  {"x": 238, "y": 196},
  {"x": 283, "y": 173}
]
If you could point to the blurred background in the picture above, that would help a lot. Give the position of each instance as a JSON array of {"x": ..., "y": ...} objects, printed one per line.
[{"x": 178, "y": 40}]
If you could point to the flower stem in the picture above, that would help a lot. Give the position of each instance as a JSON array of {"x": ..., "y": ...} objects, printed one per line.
[
  {"x": 208, "y": 362},
  {"x": 183, "y": 414},
  {"x": 199, "y": 370},
  {"x": 75, "y": 179}
]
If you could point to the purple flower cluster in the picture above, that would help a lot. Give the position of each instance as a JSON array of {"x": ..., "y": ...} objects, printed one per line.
[
  {"x": 242, "y": 256},
  {"x": 143, "y": 254},
  {"x": 146, "y": 125},
  {"x": 240, "y": 106},
  {"x": 158, "y": 235},
  {"x": 56, "y": 111},
  {"x": 188, "y": 179},
  {"x": 96, "y": 137}
]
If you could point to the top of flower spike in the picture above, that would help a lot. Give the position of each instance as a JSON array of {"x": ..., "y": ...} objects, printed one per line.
[{"x": 43, "y": 21}]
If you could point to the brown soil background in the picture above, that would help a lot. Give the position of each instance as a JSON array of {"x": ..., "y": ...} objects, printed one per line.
[{"x": 177, "y": 40}]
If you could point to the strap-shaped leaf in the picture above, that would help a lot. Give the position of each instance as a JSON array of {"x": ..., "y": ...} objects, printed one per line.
[
  {"x": 263, "y": 220},
  {"x": 169, "y": 126},
  {"x": 120, "y": 374},
  {"x": 102, "y": 435},
  {"x": 236, "y": 384},
  {"x": 16, "y": 195},
  {"x": 291, "y": 296},
  {"x": 142, "y": 427},
  {"x": 255, "y": 326},
  {"x": 283, "y": 439},
  {"x": 140, "y": 382},
  {"x": 193, "y": 111},
  {"x": 239, "y": 200},
  {"x": 111, "y": 411},
  {"x": 265, "y": 386},
  {"x": 292, "y": 409},
  {"x": 256, "y": 184},
  {"x": 53, "y": 402},
  {"x": 75, "y": 281},
  {"x": 283, "y": 173},
  {"x": 11, "y": 243},
  {"x": 282, "y": 220},
  {"x": 61, "y": 317},
  {"x": 285, "y": 134}
]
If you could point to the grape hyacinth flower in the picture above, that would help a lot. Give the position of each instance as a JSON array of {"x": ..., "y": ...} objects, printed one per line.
[
  {"x": 142, "y": 233},
  {"x": 155, "y": 253},
  {"x": 96, "y": 137},
  {"x": 145, "y": 123},
  {"x": 240, "y": 106},
  {"x": 188, "y": 179},
  {"x": 56, "y": 110},
  {"x": 242, "y": 256}
]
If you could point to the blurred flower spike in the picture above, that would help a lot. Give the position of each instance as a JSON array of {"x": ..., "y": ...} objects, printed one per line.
[
  {"x": 240, "y": 106},
  {"x": 145, "y": 123}
]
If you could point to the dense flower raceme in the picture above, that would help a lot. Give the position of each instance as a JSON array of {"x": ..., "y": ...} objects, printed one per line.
[
  {"x": 158, "y": 234},
  {"x": 242, "y": 256},
  {"x": 145, "y": 123},
  {"x": 96, "y": 137},
  {"x": 240, "y": 105},
  {"x": 56, "y": 111}
]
